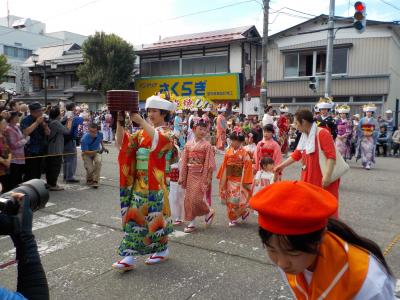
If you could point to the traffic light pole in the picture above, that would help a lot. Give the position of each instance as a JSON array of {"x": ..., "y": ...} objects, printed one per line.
[
  {"x": 329, "y": 49},
  {"x": 263, "y": 88}
]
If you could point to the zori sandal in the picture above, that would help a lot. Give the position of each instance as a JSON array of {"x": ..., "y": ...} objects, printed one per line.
[
  {"x": 210, "y": 218},
  {"x": 123, "y": 267},
  {"x": 189, "y": 229},
  {"x": 157, "y": 258}
]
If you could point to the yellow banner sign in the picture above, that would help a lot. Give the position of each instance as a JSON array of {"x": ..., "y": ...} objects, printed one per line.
[{"x": 213, "y": 87}]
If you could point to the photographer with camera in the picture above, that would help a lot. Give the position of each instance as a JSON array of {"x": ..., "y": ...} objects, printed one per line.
[
  {"x": 16, "y": 221},
  {"x": 36, "y": 126},
  {"x": 91, "y": 151}
]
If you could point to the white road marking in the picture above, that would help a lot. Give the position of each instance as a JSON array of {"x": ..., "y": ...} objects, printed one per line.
[
  {"x": 178, "y": 234},
  {"x": 48, "y": 204},
  {"x": 74, "y": 213},
  {"x": 46, "y": 221},
  {"x": 60, "y": 242},
  {"x": 51, "y": 219}
]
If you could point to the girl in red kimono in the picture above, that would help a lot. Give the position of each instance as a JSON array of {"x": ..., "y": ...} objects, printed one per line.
[
  {"x": 198, "y": 163},
  {"x": 307, "y": 152},
  {"x": 235, "y": 178},
  {"x": 267, "y": 148}
]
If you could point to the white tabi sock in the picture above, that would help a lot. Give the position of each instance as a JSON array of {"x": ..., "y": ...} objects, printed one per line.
[
  {"x": 130, "y": 260},
  {"x": 162, "y": 253}
]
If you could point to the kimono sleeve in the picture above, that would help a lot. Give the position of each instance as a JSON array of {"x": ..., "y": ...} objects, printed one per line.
[
  {"x": 183, "y": 169},
  {"x": 277, "y": 154},
  {"x": 222, "y": 168},
  {"x": 257, "y": 156},
  {"x": 162, "y": 140},
  {"x": 127, "y": 159},
  {"x": 248, "y": 170},
  {"x": 327, "y": 144}
]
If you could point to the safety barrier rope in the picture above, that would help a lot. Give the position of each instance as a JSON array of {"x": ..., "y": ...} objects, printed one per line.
[
  {"x": 48, "y": 155},
  {"x": 391, "y": 245}
]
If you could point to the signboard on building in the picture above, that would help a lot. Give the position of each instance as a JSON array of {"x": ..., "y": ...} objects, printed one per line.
[{"x": 213, "y": 86}]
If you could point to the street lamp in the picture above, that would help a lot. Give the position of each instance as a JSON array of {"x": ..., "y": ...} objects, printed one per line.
[{"x": 53, "y": 66}]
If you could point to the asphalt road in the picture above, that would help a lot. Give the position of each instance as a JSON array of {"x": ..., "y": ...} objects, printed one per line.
[{"x": 80, "y": 230}]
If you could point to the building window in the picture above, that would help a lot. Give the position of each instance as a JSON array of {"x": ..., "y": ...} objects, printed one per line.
[
  {"x": 74, "y": 80},
  {"x": 341, "y": 99},
  {"x": 291, "y": 65},
  {"x": 11, "y": 79},
  {"x": 306, "y": 99},
  {"x": 159, "y": 67},
  {"x": 305, "y": 64},
  {"x": 367, "y": 98},
  {"x": 340, "y": 61},
  {"x": 52, "y": 83},
  {"x": 15, "y": 52},
  {"x": 205, "y": 65},
  {"x": 313, "y": 63},
  {"x": 281, "y": 100}
]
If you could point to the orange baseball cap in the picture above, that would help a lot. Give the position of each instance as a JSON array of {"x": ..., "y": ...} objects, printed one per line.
[{"x": 293, "y": 207}]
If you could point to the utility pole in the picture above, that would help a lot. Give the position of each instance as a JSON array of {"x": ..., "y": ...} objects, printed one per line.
[
  {"x": 45, "y": 83},
  {"x": 329, "y": 50},
  {"x": 263, "y": 89}
]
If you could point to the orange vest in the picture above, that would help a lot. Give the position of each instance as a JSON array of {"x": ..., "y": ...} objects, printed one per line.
[{"x": 339, "y": 274}]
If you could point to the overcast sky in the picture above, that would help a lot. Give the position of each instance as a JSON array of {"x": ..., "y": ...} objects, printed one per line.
[{"x": 145, "y": 21}]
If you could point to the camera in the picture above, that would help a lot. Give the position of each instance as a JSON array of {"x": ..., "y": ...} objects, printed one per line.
[
  {"x": 102, "y": 150},
  {"x": 35, "y": 189}
]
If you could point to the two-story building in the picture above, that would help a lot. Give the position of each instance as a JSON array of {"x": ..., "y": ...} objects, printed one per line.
[
  {"x": 61, "y": 63},
  {"x": 366, "y": 67},
  {"x": 217, "y": 65},
  {"x": 19, "y": 38}
]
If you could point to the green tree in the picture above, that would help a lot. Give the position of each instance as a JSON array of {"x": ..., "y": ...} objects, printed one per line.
[
  {"x": 4, "y": 67},
  {"x": 107, "y": 63}
]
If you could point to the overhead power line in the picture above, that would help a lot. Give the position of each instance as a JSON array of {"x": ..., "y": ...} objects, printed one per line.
[
  {"x": 204, "y": 11},
  {"x": 390, "y": 4},
  {"x": 58, "y": 15}
]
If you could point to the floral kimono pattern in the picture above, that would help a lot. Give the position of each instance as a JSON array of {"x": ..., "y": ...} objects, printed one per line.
[
  {"x": 344, "y": 137},
  {"x": 143, "y": 192},
  {"x": 234, "y": 173},
  {"x": 198, "y": 159},
  {"x": 367, "y": 134}
]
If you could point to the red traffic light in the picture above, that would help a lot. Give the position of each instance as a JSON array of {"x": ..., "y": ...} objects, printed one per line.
[{"x": 359, "y": 6}]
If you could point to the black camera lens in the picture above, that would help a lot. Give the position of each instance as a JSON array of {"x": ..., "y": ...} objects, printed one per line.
[{"x": 35, "y": 189}]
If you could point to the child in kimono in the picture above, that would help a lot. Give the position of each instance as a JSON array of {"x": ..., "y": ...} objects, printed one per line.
[
  {"x": 198, "y": 163},
  {"x": 236, "y": 177}
]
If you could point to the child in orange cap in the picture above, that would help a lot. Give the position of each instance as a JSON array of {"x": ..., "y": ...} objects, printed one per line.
[{"x": 319, "y": 257}]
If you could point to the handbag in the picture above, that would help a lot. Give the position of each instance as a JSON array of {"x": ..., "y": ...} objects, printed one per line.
[{"x": 340, "y": 168}]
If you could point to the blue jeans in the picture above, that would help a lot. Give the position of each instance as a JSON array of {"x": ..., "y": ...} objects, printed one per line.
[{"x": 70, "y": 160}]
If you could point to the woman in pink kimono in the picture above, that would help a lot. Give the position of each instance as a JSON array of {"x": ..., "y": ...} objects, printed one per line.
[
  {"x": 267, "y": 147},
  {"x": 344, "y": 132},
  {"x": 198, "y": 163}
]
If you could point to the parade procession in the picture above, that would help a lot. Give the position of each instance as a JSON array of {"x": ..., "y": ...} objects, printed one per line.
[{"x": 186, "y": 154}]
